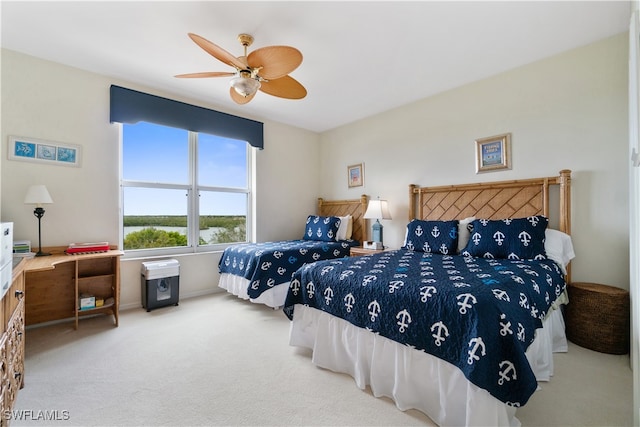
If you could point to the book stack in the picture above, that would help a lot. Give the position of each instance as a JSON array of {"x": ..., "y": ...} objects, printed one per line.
[
  {"x": 87, "y": 248},
  {"x": 22, "y": 248}
]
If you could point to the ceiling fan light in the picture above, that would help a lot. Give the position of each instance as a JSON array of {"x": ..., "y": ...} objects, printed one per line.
[{"x": 245, "y": 86}]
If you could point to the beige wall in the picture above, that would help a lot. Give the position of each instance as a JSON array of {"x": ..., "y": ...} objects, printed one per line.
[
  {"x": 565, "y": 112},
  {"x": 45, "y": 100}
]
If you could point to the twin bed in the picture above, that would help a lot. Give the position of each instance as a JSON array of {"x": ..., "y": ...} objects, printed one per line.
[
  {"x": 261, "y": 272},
  {"x": 461, "y": 322}
]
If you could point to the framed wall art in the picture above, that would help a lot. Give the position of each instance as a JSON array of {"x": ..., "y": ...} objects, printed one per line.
[
  {"x": 493, "y": 153},
  {"x": 355, "y": 175},
  {"x": 41, "y": 151}
]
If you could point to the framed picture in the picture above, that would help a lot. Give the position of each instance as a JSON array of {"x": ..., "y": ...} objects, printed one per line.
[
  {"x": 493, "y": 153},
  {"x": 355, "y": 175},
  {"x": 41, "y": 151}
]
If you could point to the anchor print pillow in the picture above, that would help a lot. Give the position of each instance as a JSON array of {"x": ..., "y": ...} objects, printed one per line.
[
  {"x": 516, "y": 238},
  {"x": 438, "y": 237},
  {"x": 322, "y": 228}
]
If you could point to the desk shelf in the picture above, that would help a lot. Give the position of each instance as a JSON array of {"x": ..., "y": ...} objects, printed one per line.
[{"x": 54, "y": 284}]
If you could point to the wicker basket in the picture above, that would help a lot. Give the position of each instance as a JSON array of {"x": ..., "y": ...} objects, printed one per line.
[{"x": 598, "y": 317}]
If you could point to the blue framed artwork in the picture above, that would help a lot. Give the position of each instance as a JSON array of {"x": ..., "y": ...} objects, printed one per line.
[
  {"x": 41, "y": 151},
  {"x": 355, "y": 175},
  {"x": 493, "y": 153}
]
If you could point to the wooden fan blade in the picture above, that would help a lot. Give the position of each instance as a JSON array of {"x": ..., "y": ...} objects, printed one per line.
[
  {"x": 284, "y": 87},
  {"x": 217, "y": 52},
  {"x": 205, "y": 74},
  {"x": 276, "y": 61},
  {"x": 239, "y": 99}
]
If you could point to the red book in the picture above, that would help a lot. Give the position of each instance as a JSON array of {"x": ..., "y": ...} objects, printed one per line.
[
  {"x": 88, "y": 244},
  {"x": 79, "y": 249}
]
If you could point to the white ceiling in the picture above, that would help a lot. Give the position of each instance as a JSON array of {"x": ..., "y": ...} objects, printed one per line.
[{"x": 360, "y": 58}]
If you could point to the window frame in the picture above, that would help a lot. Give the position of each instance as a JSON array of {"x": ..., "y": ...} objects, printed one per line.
[{"x": 193, "y": 201}]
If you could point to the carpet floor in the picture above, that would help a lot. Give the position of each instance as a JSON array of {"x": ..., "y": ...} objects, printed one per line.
[{"x": 219, "y": 360}]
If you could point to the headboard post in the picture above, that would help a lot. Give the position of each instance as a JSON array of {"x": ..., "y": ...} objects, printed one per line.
[
  {"x": 565, "y": 201},
  {"x": 545, "y": 197},
  {"x": 412, "y": 204},
  {"x": 364, "y": 203}
]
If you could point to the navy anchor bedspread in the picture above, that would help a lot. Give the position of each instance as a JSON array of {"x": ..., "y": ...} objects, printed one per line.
[
  {"x": 272, "y": 263},
  {"x": 478, "y": 314}
]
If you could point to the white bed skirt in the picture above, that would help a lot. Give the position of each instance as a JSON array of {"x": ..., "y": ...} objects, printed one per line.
[
  {"x": 391, "y": 369},
  {"x": 238, "y": 285}
]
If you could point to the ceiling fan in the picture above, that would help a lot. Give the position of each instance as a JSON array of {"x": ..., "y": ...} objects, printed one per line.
[{"x": 266, "y": 69}]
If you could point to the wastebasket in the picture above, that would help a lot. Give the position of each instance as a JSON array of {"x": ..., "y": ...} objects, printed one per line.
[{"x": 160, "y": 283}]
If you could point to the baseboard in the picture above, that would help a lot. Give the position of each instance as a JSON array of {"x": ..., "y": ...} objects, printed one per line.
[{"x": 135, "y": 305}]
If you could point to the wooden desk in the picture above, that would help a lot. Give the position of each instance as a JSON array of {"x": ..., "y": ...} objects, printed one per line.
[{"x": 53, "y": 285}]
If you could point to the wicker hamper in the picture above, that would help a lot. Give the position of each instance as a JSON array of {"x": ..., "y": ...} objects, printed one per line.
[{"x": 597, "y": 317}]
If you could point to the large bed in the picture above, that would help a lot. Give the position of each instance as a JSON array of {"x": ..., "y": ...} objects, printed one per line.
[
  {"x": 462, "y": 321},
  {"x": 261, "y": 272}
]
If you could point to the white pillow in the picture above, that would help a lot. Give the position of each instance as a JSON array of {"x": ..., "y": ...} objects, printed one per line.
[
  {"x": 558, "y": 247},
  {"x": 350, "y": 229},
  {"x": 346, "y": 228},
  {"x": 463, "y": 232}
]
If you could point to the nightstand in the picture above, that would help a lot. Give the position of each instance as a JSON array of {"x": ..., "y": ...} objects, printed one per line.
[
  {"x": 359, "y": 251},
  {"x": 597, "y": 317}
]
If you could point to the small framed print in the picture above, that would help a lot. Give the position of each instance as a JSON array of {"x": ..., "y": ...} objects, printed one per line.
[
  {"x": 355, "y": 175},
  {"x": 41, "y": 151},
  {"x": 493, "y": 153}
]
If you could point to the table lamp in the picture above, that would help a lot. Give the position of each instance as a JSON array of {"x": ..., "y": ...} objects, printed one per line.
[
  {"x": 38, "y": 195},
  {"x": 377, "y": 209}
]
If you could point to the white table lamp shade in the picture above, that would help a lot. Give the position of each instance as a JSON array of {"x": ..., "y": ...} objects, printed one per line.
[
  {"x": 37, "y": 195},
  {"x": 377, "y": 209}
]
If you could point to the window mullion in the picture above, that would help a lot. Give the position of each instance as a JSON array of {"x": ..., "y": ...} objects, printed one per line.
[
  {"x": 143, "y": 184},
  {"x": 193, "y": 217}
]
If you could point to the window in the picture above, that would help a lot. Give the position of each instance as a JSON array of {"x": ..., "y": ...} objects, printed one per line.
[{"x": 182, "y": 191}]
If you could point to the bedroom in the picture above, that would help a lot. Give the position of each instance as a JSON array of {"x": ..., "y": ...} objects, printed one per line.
[{"x": 566, "y": 111}]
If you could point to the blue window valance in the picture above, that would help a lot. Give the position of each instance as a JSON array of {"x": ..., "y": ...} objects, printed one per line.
[{"x": 130, "y": 106}]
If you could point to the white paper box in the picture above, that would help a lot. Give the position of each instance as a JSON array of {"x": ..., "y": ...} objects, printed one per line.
[{"x": 86, "y": 303}]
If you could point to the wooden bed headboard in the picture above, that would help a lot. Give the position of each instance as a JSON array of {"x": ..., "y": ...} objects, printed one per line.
[
  {"x": 493, "y": 200},
  {"x": 356, "y": 208}
]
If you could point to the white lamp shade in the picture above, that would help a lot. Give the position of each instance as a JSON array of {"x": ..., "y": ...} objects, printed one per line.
[
  {"x": 377, "y": 209},
  {"x": 37, "y": 195}
]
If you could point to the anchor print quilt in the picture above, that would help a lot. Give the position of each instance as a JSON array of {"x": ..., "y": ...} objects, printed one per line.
[
  {"x": 478, "y": 314},
  {"x": 268, "y": 264}
]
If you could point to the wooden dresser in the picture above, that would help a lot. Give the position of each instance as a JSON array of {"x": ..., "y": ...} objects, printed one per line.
[
  {"x": 12, "y": 343},
  {"x": 54, "y": 282}
]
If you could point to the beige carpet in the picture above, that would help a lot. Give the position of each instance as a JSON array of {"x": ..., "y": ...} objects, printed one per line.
[{"x": 218, "y": 360}]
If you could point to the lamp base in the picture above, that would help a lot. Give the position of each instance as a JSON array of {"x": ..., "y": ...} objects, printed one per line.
[
  {"x": 38, "y": 212},
  {"x": 376, "y": 232}
]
